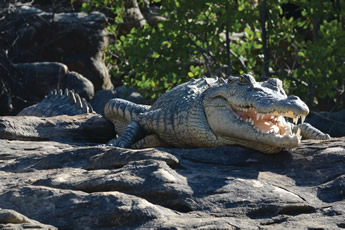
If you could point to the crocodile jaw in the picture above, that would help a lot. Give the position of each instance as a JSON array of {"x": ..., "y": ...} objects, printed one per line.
[{"x": 266, "y": 132}]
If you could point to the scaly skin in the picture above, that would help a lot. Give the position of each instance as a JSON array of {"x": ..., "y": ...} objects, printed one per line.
[
  {"x": 58, "y": 103},
  {"x": 209, "y": 113}
]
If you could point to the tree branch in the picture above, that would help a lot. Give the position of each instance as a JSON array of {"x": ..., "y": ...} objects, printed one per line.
[
  {"x": 203, "y": 52},
  {"x": 265, "y": 38},
  {"x": 229, "y": 70}
]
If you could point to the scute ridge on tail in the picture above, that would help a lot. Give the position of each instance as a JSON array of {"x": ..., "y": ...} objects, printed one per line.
[{"x": 57, "y": 103}]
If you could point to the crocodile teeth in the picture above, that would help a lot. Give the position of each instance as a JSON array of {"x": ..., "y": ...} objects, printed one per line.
[
  {"x": 289, "y": 114},
  {"x": 298, "y": 134},
  {"x": 259, "y": 130},
  {"x": 260, "y": 116},
  {"x": 302, "y": 119},
  {"x": 295, "y": 120}
]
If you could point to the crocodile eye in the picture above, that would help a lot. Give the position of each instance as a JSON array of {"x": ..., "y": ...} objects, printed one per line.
[
  {"x": 231, "y": 79},
  {"x": 243, "y": 80}
]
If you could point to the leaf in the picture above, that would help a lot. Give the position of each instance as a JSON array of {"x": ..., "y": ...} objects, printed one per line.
[
  {"x": 301, "y": 54},
  {"x": 155, "y": 55}
]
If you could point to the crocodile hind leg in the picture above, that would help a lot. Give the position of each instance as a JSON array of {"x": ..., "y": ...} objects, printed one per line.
[
  {"x": 121, "y": 112},
  {"x": 134, "y": 136},
  {"x": 310, "y": 132},
  {"x": 133, "y": 133}
]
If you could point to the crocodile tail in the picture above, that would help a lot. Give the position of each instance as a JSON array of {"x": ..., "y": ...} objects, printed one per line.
[
  {"x": 57, "y": 103},
  {"x": 120, "y": 112}
]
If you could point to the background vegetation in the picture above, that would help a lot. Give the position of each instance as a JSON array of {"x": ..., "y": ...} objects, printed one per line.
[{"x": 302, "y": 42}]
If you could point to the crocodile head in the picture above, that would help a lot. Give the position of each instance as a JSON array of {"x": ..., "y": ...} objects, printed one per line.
[{"x": 254, "y": 114}]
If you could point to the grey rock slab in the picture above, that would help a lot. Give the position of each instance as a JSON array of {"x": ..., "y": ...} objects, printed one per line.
[
  {"x": 117, "y": 157},
  {"x": 150, "y": 179},
  {"x": 27, "y": 156},
  {"x": 86, "y": 127},
  {"x": 68, "y": 209},
  {"x": 10, "y": 219},
  {"x": 74, "y": 185}
]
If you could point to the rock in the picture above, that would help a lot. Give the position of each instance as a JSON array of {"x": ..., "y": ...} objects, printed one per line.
[
  {"x": 43, "y": 77},
  {"x": 77, "y": 40},
  {"x": 10, "y": 219},
  {"x": 51, "y": 49},
  {"x": 100, "y": 210},
  {"x": 331, "y": 123},
  {"x": 103, "y": 96},
  {"x": 117, "y": 158},
  {"x": 80, "y": 84},
  {"x": 70, "y": 185},
  {"x": 85, "y": 128},
  {"x": 11, "y": 82}
]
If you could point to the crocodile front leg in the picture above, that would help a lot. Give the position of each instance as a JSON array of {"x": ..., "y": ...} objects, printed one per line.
[
  {"x": 133, "y": 133},
  {"x": 310, "y": 132}
]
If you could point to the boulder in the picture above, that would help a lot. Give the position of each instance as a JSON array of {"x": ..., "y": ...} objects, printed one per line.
[
  {"x": 77, "y": 40},
  {"x": 80, "y": 85},
  {"x": 10, "y": 219},
  {"x": 42, "y": 50},
  {"x": 332, "y": 123},
  {"x": 73, "y": 184},
  {"x": 11, "y": 86},
  {"x": 43, "y": 77}
]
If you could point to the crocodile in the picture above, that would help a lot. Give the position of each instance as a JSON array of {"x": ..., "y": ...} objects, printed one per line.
[
  {"x": 206, "y": 112},
  {"x": 211, "y": 112}
]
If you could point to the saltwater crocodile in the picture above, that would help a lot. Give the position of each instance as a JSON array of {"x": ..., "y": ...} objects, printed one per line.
[
  {"x": 205, "y": 112},
  {"x": 214, "y": 112}
]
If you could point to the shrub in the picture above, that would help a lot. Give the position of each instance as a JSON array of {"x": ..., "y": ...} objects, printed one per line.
[{"x": 304, "y": 45}]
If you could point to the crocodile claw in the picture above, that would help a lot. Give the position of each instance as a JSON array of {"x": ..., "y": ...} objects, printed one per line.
[{"x": 117, "y": 143}]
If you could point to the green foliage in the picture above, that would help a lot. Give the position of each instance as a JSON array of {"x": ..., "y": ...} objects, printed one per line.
[{"x": 306, "y": 50}]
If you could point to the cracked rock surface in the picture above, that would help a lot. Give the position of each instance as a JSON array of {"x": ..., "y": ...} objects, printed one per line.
[{"x": 73, "y": 185}]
